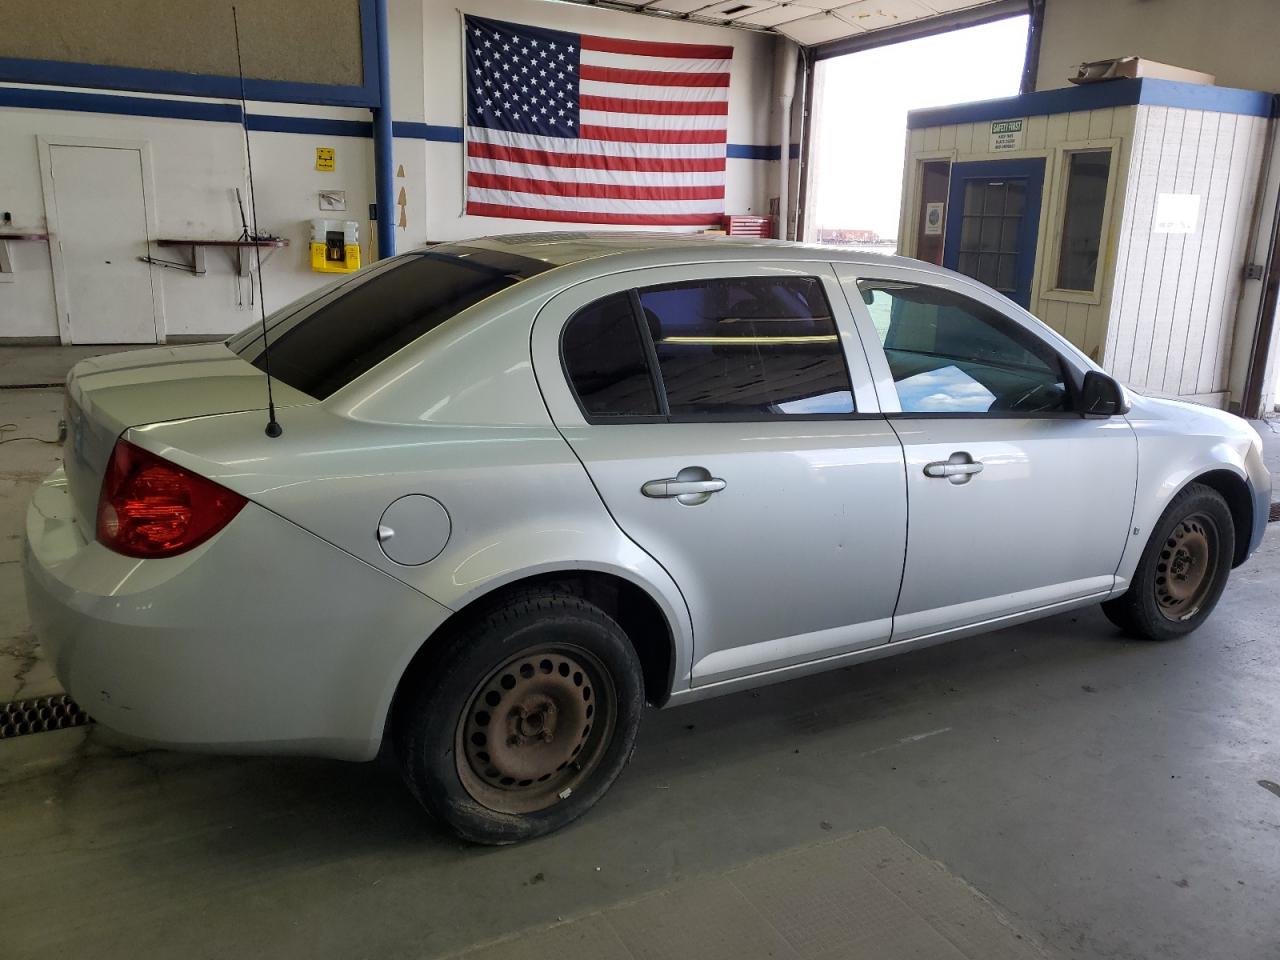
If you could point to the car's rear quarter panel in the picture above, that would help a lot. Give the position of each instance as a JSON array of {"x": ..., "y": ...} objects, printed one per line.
[{"x": 263, "y": 639}]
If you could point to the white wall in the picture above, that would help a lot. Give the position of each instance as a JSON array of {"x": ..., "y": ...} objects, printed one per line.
[
  {"x": 1174, "y": 310},
  {"x": 1233, "y": 39},
  {"x": 198, "y": 164}
]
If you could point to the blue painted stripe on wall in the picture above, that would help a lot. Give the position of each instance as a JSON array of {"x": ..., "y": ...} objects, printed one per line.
[
  {"x": 411, "y": 130},
  {"x": 752, "y": 151},
  {"x": 323, "y": 126},
  {"x": 186, "y": 84},
  {"x": 274, "y": 123},
  {"x": 1098, "y": 96},
  {"x": 99, "y": 76},
  {"x": 121, "y": 106},
  {"x": 759, "y": 151}
]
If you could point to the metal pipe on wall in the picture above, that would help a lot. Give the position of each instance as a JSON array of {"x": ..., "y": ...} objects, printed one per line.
[
  {"x": 784, "y": 84},
  {"x": 383, "y": 142}
]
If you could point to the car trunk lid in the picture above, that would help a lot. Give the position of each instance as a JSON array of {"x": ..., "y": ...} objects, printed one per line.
[{"x": 107, "y": 395}]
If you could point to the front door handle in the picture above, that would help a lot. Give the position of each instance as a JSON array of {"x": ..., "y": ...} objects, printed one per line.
[
  {"x": 958, "y": 468},
  {"x": 691, "y": 486}
]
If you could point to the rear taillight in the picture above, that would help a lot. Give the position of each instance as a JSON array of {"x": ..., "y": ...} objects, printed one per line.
[{"x": 150, "y": 507}]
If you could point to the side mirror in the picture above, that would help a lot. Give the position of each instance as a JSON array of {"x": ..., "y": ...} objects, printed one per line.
[{"x": 1101, "y": 396}]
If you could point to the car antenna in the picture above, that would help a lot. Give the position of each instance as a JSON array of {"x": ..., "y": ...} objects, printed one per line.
[{"x": 273, "y": 425}]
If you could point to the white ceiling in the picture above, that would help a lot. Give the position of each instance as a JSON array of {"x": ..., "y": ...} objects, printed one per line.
[{"x": 806, "y": 22}]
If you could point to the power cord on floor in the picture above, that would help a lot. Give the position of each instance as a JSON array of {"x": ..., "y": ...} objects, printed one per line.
[{"x": 14, "y": 426}]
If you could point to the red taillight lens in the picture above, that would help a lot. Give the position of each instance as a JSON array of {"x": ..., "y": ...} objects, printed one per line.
[{"x": 150, "y": 507}]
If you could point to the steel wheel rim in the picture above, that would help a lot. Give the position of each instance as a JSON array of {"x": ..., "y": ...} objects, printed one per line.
[
  {"x": 1186, "y": 567},
  {"x": 535, "y": 729}
]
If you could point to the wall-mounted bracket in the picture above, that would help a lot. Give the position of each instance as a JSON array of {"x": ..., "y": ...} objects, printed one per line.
[
  {"x": 6, "y": 255},
  {"x": 194, "y": 262}
]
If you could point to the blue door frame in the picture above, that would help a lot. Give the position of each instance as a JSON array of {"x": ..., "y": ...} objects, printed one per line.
[{"x": 1029, "y": 170}]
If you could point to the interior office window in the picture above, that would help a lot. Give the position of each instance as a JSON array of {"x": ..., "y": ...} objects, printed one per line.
[
  {"x": 951, "y": 354},
  {"x": 1087, "y": 173},
  {"x": 748, "y": 346},
  {"x": 605, "y": 360}
]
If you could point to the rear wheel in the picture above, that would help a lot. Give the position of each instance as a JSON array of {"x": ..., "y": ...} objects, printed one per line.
[
  {"x": 526, "y": 720},
  {"x": 1183, "y": 570}
]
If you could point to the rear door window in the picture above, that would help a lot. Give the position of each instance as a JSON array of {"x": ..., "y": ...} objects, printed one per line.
[
  {"x": 322, "y": 343},
  {"x": 747, "y": 347}
]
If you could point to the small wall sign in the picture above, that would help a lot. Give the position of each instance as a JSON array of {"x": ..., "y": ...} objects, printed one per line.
[
  {"x": 1176, "y": 213},
  {"x": 325, "y": 159},
  {"x": 1008, "y": 135},
  {"x": 934, "y": 214}
]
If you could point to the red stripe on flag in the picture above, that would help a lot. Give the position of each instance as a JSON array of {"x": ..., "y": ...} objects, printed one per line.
[
  {"x": 589, "y": 161},
  {"x": 661, "y": 107},
  {"x": 590, "y": 131},
  {"x": 653, "y": 78},
  {"x": 608, "y": 191},
  {"x": 651, "y": 48},
  {"x": 573, "y": 216}
]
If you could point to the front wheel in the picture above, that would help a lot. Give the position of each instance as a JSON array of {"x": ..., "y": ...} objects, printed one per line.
[
  {"x": 525, "y": 722},
  {"x": 1183, "y": 570}
]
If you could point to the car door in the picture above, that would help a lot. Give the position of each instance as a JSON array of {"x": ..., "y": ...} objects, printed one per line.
[
  {"x": 1015, "y": 501},
  {"x": 726, "y": 415}
]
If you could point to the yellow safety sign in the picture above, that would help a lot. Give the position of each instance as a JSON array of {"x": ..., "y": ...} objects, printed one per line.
[{"x": 325, "y": 158}]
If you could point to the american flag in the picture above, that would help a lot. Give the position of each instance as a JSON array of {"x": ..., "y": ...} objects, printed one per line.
[{"x": 570, "y": 127}]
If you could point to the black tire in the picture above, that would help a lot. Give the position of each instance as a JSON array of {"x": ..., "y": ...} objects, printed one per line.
[
  {"x": 1195, "y": 537},
  {"x": 546, "y": 676}
]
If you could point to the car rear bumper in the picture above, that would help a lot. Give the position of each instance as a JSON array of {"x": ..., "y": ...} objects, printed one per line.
[{"x": 265, "y": 639}]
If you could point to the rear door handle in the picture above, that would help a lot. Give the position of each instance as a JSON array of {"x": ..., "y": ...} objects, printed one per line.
[
  {"x": 671, "y": 487},
  {"x": 958, "y": 468},
  {"x": 691, "y": 486}
]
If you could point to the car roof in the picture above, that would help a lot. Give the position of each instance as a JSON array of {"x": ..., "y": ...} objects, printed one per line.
[{"x": 562, "y": 248}]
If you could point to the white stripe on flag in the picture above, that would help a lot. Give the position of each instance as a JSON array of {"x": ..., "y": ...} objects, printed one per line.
[
  {"x": 627, "y": 61},
  {"x": 609, "y": 148},
  {"x": 591, "y": 204},
  {"x": 640, "y": 91},
  {"x": 654, "y": 121},
  {"x": 624, "y": 178}
]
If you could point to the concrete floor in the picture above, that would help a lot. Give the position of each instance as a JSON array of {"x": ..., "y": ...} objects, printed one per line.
[{"x": 1115, "y": 799}]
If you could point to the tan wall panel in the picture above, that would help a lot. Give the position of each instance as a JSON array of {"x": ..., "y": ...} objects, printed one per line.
[
  {"x": 1235, "y": 40},
  {"x": 295, "y": 40}
]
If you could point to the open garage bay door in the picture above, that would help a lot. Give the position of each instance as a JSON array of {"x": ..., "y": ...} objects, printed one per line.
[{"x": 826, "y": 25}]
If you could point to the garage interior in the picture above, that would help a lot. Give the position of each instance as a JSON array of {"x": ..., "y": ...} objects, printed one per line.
[{"x": 1054, "y": 789}]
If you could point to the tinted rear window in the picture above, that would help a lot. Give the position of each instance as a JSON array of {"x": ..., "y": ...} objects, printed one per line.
[
  {"x": 606, "y": 361},
  {"x": 324, "y": 341}
]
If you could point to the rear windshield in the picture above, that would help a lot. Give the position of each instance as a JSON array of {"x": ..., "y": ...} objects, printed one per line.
[{"x": 328, "y": 338}]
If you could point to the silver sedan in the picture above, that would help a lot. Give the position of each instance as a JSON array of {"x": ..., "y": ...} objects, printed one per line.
[{"x": 525, "y": 484}]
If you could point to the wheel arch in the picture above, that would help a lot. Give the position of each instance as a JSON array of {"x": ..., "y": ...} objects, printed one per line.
[
  {"x": 1235, "y": 491},
  {"x": 649, "y": 627}
]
